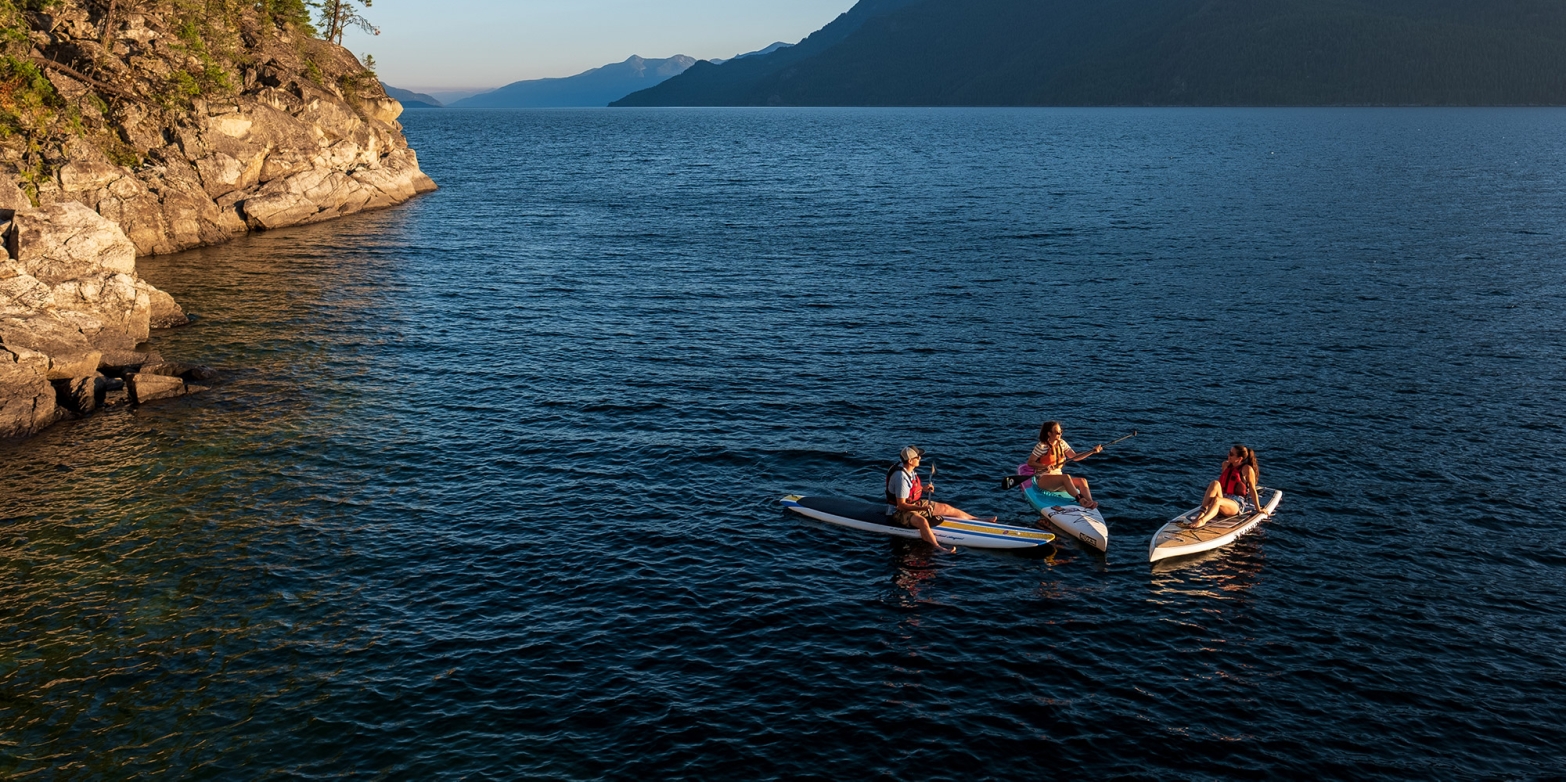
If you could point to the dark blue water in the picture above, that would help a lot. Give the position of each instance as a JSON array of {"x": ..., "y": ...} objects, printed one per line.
[{"x": 489, "y": 489}]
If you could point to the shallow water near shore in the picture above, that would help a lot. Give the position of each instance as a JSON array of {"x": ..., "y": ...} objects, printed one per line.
[{"x": 489, "y": 486}]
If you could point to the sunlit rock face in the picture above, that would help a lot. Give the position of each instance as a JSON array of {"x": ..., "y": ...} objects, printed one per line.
[
  {"x": 269, "y": 160},
  {"x": 285, "y": 130},
  {"x": 26, "y": 398},
  {"x": 69, "y": 297}
]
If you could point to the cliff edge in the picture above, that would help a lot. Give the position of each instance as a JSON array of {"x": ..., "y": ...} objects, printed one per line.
[{"x": 152, "y": 127}]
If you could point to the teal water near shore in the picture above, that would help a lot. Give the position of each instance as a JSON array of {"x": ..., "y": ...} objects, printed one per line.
[{"x": 489, "y": 486}]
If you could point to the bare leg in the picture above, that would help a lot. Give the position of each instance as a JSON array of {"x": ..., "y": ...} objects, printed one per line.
[
  {"x": 1209, "y": 507},
  {"x": 1085, "y": 494},
  {"x": 942, "y": 509},
  {"x": 929, "y": 535},
  {"x": 1066, "y": 484},
  {"x": 1214, "y": 504}
]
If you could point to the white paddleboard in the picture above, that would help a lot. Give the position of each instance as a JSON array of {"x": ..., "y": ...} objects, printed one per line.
[
  {"x": 871, "y": 517},
  {"x": 1063, "y": 513},
  {"x": 1173, "y": 540}
]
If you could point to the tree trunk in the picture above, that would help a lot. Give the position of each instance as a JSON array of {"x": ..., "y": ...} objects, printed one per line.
[
  {"x": 108, "y": 25},
  {"x": 335, "y": 32}
]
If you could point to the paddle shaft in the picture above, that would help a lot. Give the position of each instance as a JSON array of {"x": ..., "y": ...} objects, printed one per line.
[
  {"x": 932, "y": 520},
  {"x": 1121, "y": 440}
]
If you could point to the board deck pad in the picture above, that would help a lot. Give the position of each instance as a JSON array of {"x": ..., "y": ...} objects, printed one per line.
[{"x": 859, "y": 510}]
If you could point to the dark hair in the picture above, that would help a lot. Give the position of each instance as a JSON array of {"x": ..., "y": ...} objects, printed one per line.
[
  {"x": 1247, "y": 457},
  {"x": 1045, "y": 429}
]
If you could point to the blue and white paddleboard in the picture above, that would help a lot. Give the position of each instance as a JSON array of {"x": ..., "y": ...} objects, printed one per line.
[
  {"x": 1063, "y": 513},
  {"x": 871, "y": 517}
]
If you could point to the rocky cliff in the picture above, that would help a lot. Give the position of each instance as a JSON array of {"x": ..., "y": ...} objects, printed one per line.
[{"x": 136, "y": 127}]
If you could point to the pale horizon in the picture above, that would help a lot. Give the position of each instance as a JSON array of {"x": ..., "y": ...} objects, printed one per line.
[{"x": 479, "y": 45}]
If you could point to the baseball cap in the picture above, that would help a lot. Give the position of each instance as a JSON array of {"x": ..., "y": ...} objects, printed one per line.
[{"x": 910, "y": 452}]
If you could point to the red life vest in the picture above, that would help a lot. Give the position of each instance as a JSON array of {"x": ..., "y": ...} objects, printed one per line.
[
  {"x": 1232, "y": 479},
  {"x": 913, "y": 491}
]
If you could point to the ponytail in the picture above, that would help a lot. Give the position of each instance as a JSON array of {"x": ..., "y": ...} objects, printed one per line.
[{"x": 1248, "y": 458}]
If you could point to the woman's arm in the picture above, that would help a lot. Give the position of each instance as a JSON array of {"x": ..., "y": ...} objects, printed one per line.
[
  {"x": 1250, "y": 480},
  {"x": 1073, "y": 456}
]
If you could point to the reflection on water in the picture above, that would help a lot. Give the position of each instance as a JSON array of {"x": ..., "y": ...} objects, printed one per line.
[
  {"x": 1221, "y": 574},
  {"x": 914, "y": 568}
]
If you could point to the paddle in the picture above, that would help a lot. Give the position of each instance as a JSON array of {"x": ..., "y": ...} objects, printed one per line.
[{"x": 1013, "y": 481}]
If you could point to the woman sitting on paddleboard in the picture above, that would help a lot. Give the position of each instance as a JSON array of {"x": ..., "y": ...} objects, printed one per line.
[
  {"x": 1235, "y": 490},
  {"x": 903, "y": 492},
  {"x": 1049, "y": 459}
]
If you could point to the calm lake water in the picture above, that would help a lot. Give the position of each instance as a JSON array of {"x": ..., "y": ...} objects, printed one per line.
[{"x": 489, "y": 488}]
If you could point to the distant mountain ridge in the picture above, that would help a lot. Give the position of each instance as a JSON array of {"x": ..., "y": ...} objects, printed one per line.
[
  {"x": 1152, "y": 52},
  {"x": 597, "y": 87},
  {"x": 410, "y": 99},
  {"x": 732, "y": 83},
  {"x": 767, "y": 50}
]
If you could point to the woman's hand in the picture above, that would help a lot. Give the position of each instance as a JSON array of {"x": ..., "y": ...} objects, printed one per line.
[{"x": 1098, "y": 448}]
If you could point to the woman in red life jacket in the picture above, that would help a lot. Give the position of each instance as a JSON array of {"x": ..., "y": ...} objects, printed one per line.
[
  {"x": 1049, "y": 459},
  {"x": 904, "y": 503},
  {"x": 1235, "y": 487}
]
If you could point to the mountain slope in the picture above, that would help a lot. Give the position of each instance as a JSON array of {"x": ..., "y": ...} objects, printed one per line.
[
  {"x": 410, "y": 99},
  {"x": 733, "y": 82},
  {"x": 759, "y": 52},
  {"x": 1162, "y": 52},
  {"x": 597, "y": 87}
]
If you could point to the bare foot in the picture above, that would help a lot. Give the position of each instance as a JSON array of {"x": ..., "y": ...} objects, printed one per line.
[{"x": 1089, "y": 504}]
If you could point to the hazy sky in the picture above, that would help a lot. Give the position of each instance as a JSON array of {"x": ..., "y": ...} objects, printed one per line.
[{"x": 466, "y": 44}]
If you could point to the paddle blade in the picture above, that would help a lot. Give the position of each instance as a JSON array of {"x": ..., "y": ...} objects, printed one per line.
[{"x": 1012, "y": 481}]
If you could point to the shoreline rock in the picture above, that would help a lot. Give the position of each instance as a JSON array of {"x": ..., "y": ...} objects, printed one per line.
[
  {"x": 147, "y": 387},
  {"x": 72, "y": 313},
  {"x": 284, "y": 130}
]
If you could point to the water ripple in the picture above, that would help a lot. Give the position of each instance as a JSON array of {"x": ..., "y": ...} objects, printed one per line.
[{"x": 488, "y": 487}]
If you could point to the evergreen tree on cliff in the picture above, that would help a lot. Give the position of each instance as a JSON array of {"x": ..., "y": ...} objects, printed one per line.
[{"x": 336, "y": 16}]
